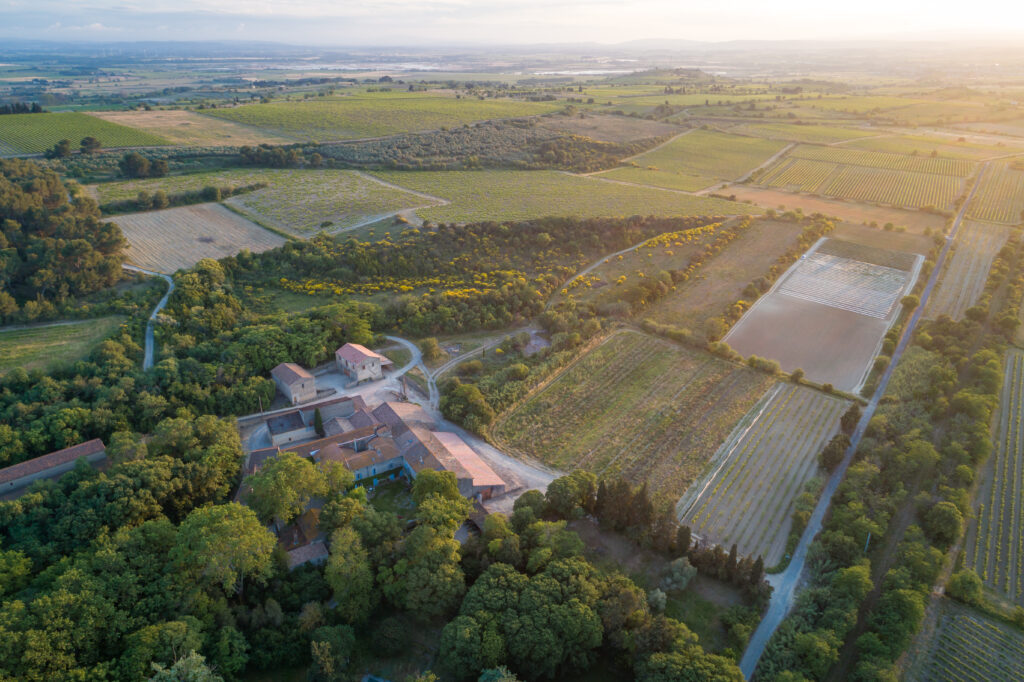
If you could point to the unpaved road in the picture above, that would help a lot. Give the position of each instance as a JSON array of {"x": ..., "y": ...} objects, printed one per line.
[{"x": 147, "y": 361}]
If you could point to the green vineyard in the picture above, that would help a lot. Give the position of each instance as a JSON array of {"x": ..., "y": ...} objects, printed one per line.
[
  {"x": 34, "y": 133},
  {"x": 960, "y": 168},
  {"x": 969, "y": 647},
  {"x": 1000, "y": 199},
  {"x": 802, "y": 174},
  {"x": 997, "y": 550},
  {"x": 893, "y": 188}
]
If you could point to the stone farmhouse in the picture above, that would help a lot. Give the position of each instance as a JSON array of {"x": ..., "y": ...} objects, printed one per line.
[
  {"x": 295, "y": 426},
  {"x": 295, "y": 383},
  {"x": 14, "y": 479},
  {"x": 360, "y": 363}
]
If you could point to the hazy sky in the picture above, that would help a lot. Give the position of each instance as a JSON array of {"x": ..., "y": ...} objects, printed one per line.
[{"x": 435, "y": 22}]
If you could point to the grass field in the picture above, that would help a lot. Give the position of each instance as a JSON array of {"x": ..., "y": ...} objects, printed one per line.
[
  {"x": 750, "y": 492},
  {"x": 34, "y": 133},
  {"x": 719, "y": 283},
  {"x": 187, "y": 128},
  {"x": 995, "y": 547},
  {"x": 698, "y": 159},
  {"x": 967, "y": 646},
  {"x": 802, "y": 133},
  {"x": 175, "y": 238},
  {"x": 924, "y": 145},
  {"x": 373, "y": 115},
  {"x": 1000, "y": 199},
  {"x": 975, "y": 247},
  {"x": 49, "y": 346},
  {"x": 826, "y": 315},
  {"x": 638, "y": 406},
  {"x": 521, "y": 195},
  {"x": 297, "y": 201}
]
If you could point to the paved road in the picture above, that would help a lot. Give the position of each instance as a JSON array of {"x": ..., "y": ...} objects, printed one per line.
[
  {"x": 785, "y": 583},
  {"x": 147, "y": 362}
]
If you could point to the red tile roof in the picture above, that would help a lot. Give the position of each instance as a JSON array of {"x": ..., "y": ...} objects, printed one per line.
[
  {"x": 53, "y": 459},
  {"x": 288, "y": 373},
  {"x": 356, "y": 353}
]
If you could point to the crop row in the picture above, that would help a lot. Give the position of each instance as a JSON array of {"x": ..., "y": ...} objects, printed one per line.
[
  {"x": 894, "y": 188},
  {"x": 998, "y": 552},
  {"x": 798, "y": 173},
  {"x": 1000, "y": 199},
  {"x": 34, "y": 133},
  {"x": 857, "y": 157},
  {"x": 970, "y": 647},
  {"x": 975, "y": 247}
]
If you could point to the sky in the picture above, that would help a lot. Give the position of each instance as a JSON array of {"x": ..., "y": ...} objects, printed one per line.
[{"x": 423, "y": 23}]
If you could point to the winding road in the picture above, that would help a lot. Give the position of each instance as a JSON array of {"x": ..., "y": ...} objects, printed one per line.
[
  {"x": 785, "y": 583},
  {"x": 147, "y": 361}
]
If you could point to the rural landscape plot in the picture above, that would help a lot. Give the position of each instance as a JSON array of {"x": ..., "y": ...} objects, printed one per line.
[
  {"x": 828, "y": 313},
  {"x": 761, "y": 469},
  {"x": 968, "y": 646},
  {"x": 48, "y": 346},
  {"x": 997, "y": 550},
  {"x": 34, "y": 133},
  {"x": 1000, "y": 198},
  {"x": 175, "y": 238},
  {"x": 182, "y": 127},
  {"x": 637, "y": 406},
  {"x": 976, "y": 247}
]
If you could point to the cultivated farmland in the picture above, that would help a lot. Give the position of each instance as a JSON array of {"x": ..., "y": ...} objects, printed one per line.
[
  {"x": 638, "y": 406},
  {"x": 373, "y": 115},
  {"x": 856, "y": 157},
  {"x": 34, "y": 133},
  {"x": 298, "y": 201},
  {"x": 802, "y": 133},
  {"x": 949, "y": 147},
  {"x": 749, "y": 496},
  {"x": 697, "y": 159},
  {"x": 975, "y": 248},
  {"x": 996, "y": 551},
  {"x": 522, "y": 195},
  {"x": 1000, "y": 199},
  {"x": 828, "y": 313},
  {"x": 188, "y": 128},
  {"x": 175, "y": 238},
  {"x": 48, "y": 346},
  {"x": 968, "y": 646}
]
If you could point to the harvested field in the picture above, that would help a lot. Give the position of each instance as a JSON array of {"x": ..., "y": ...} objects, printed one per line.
[
  {"x": 297, "y": 201},
  {"x": 638, "y": 406},
  {"x": 749, "y": 495},
  {"x": 608, "y": 128},
  {"x": 826, "y": 315},
  {"x": 914, "y": 221},
  {"x": 995, "y": 545},
  {"x": 1000, "y": 199},
  {"x": 719, "y": 283},
  {"x": 966, "y": 646},
  {"x": 176, "y": 238},
  {"x": 522, "y": 195},
  {"x": 48, "y": 346},
  {"x": 188, "y": 128},
  {"x": 975, "y": 248}
]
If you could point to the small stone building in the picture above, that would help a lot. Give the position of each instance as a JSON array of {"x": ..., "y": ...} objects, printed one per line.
[
  {"x": 360, "y": 363},
  {"x": 295, "y": 383}
]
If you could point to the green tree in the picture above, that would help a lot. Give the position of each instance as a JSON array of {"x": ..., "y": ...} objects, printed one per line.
[
  {"x": 944, "y": 523},
  {"x": 349, "y": 574},
  {"x": 965, "y": 586},
  {"x": 283, "y": 488},
  {"x": 318, "y": 423},
  {"x": 441, "y": 483},
  {"x": 190, "y": 668},
  {"x": 90, "y": 145},
  {"x": 222, "y": 546}
]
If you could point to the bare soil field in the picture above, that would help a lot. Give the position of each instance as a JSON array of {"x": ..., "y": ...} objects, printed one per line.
[
  {"x": 749, "y": 493},
  {"x": 963, "y": 281},
  {"x": 720, "y": 282},
  {"x": 882, "y": 239},
  {"x": 175, "y": 238},
  {"x": 826, "y": 315},
  {"x": 609, "y": 128},
  {"x": 637, "y": 406},
  {"x": 190, "y": 129},
  {"x": 914, "y": 221}
]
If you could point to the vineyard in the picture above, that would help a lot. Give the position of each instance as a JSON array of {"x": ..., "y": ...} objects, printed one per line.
[
  {"x": 949, "y": 147},
  {"x": 856, "y": 157},
  {"x": 997, "y": 550},
  {"x": 762, "y": 467},
  {"x": 175, "y": 238},
  {"x": 894, "y": 188},
  {"x": 523, "y": 195},
  {"x": 637, "y": 406},
  {"x": 969, "y": 647},
  {"x": 372, "y": 115},
  {"x": 798, "y": 174},
  {"x": 704, "y": 154},
  {"x": 34, "y": 133},
  {"x": 297, "y": 201},
  {"x": 188, "y": 128},
  {"x": 802, "y": 133},
  {"x": 975, "y": 248},
  {"x": 1000, "y": 199}
]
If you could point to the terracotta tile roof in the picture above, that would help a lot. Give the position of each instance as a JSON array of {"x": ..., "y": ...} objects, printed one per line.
[
  {"x": 338, "y": 425},
  {"x": 51, "y": 460},
  {"x": 362, "y": 418},
  {"x": 288, "y": 373},
  {"x": 401, "y": 415},
  {"x": 458, "y": 450},
  {"x": 283, "y": 423},
  {"x": 356, "y": 353}
]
